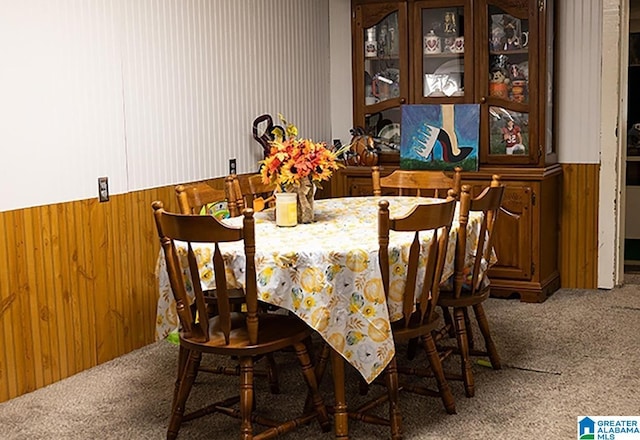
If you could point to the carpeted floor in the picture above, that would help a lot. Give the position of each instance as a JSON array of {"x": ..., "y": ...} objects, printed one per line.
[{"x": 575, "y": 354}]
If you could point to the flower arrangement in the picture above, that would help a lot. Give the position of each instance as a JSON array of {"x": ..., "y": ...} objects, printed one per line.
[{"x": 293, "y": 161}]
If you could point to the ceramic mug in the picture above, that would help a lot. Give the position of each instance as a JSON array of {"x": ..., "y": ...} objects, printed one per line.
[
  {"x": 432, "y": 43},
  {"x": 525, "y": 39},
  {"x": 457, "y": 46}
]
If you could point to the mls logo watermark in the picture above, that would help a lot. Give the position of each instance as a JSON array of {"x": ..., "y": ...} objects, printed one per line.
[{"x": 608, "y": 427}]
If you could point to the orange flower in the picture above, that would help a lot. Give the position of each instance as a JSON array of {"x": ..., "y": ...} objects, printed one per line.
[{"x": 291, "y": 159}]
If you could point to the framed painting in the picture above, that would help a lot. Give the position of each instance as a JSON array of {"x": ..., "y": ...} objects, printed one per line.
[{"x": 440, "y": 137}]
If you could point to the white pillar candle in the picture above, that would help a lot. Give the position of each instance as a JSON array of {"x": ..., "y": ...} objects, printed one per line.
[{"x": 286, "y": 209}]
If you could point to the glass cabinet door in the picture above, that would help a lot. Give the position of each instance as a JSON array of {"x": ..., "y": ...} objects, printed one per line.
[
  {"x": 509, "y": 86},
  {"x": 381, "y": 77},
  {"x": 442, "y": 47}
]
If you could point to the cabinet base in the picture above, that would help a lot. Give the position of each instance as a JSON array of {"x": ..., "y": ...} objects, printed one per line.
[{"x": 527, "y": 291}]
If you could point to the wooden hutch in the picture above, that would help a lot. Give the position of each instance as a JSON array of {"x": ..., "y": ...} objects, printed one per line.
[{"x": 497, "y": 54}]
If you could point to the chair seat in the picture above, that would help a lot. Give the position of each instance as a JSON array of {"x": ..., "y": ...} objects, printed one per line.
[
  {"x": 270, "y": 337},
  {"x": 447, "y": 298},
  {"x": 415, "y": 329}
]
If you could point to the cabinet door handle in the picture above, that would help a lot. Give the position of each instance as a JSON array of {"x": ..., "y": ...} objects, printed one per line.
[
  {"x": 483, "y": 100},
  {"x": 402, "y": 100}
]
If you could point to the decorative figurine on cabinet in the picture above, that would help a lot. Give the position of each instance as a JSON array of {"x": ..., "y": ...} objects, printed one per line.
[
  {"x": 499, "y": 85},
  {"x": 450, "y": 27},
  {"x": 450, "y": 30}
]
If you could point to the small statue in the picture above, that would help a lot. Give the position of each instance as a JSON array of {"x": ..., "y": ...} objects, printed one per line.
[{"x": 450, "y": 27}]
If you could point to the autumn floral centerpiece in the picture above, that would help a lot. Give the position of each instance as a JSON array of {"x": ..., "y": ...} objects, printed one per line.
[{"x": 298, "y": 165}]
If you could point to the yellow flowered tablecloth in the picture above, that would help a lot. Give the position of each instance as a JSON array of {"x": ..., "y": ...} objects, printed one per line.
[{"x": 327, "y": 273}]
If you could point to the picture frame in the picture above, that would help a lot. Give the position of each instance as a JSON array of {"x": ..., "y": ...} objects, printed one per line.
[{"x": 440, "y": 136}]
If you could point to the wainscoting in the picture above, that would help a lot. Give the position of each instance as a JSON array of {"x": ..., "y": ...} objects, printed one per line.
[
  {"x": 579, "y": 226},
  {"x": 77, "y": 286},
  {"x": 77, "y": 281}
]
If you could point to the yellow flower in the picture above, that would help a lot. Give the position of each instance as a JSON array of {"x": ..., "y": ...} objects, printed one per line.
[
  {"x": 369, "y": 311},
  {"x": 399, "y": 269},
  {"x": 291, "y": 159},
  {"x": 309, "y": 302},
  {"x": 207, "y": 275}
]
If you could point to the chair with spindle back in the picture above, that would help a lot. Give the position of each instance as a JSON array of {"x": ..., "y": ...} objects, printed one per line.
[
  {"x": 240, "y": 335},
  {"x": 249, "y": 191},
  {"x": 193, "y": 197},
  {"x": 191, "y": 200},
  {"x": 425, "y": 183},
  {"x": 471, "y": 289},
  {"x": 419, "y": 318},
  {"x": 235, "y": 197},
  {"x": 258, "y": 195}
]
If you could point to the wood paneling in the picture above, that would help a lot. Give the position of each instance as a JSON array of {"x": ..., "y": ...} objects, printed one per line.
[
  {"x": 579, "y": 226},
  {"x": 77, "y": 286}
]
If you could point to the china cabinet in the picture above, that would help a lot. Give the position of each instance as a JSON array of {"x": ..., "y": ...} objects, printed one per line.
[{"x": 497, "y": 54}]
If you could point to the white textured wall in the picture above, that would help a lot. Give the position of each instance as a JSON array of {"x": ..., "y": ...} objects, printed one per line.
[
  {"x": 341, "y": 79},
  {"x": 150, "y": 92},
  {"x": 578, "y": 83},
  {"x": 61, "y": 115}
]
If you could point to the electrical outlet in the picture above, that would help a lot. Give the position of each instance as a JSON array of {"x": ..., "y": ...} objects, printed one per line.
[
  {"x": 232, "y": 166},
  {"x": 103, "y": 189}
]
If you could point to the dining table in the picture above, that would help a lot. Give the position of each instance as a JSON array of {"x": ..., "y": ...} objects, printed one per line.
[{"x": 327, "y": 273}]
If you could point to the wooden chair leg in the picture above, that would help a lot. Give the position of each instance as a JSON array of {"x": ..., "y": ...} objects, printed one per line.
[
  {"x": 448, "y": 321},
  {"x": 189, "y": 372},
  {"x": 272, "y": 374},
  {"x": 436, "y": 366},
  {"x": 469, "y": 328},
  {"x": 320, "y": 368},
  {"x": 363, "y": 386},
  {"x": 246, "y": 397},
  {"x": 463, "y": 347},
  {"x": 395, "y": 416},
  {"x": 183, "y": 355},
  {"x": 340, "y": 416},
  {"x": 412, "y": 347},
  {"x": 483, "y": 323},
  {"x": 312, "y": 383}
]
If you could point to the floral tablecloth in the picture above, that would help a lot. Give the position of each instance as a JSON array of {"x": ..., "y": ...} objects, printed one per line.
[{"x": 327, "y": 273}]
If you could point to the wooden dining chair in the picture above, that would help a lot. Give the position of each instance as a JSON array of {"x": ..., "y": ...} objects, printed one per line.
[
  {"x": 472, "y": 287},
  {"x": 244, "y": 336},
  {"x": 235, "y": 196},
  {"x": 419, "y": 318},
  {"x": 191, "y": 199},
  {"x": 424, "y": 183},
  {"x": 257, "y": 194}
]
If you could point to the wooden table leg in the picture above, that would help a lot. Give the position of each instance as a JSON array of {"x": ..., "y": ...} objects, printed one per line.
[{"x": 340, "y": 415}]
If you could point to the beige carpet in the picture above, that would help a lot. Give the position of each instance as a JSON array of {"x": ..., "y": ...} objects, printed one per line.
[{"x": 576, "y": 354}]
